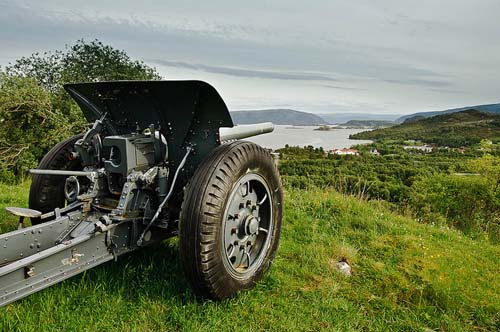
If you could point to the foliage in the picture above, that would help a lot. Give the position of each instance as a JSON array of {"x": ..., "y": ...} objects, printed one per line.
[
  {"x": 37, "y": 113},
  {"x": 297, "y": 153},
  {"x": 387, "y": 177},
  {"x": 488, "y": 108},
  {"x": 423, "y": 184},
  {"x": 367, "y": 123},
  {"x": 82, "y": 62},
  {"x": 464, "y": 128},
  {"x": 467, "y": 203},
  {"x": 29, "y": 125},
  {"x": 406, "y": 277}
]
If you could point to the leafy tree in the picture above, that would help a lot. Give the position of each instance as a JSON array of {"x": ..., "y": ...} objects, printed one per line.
[
  {"x": 44, "y": 68},
  {"x": 36, "y": 112},
  {"x": 29, "y": 125},
  {"x": 82, "y": 62},
  {"x": 465, "y": 128}
]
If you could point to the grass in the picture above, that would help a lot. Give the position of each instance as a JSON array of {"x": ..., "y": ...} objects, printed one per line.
[{"x": 406, "y": 277}]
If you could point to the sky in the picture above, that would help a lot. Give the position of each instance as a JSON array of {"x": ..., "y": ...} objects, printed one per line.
[{"x": 332, "y": 56}]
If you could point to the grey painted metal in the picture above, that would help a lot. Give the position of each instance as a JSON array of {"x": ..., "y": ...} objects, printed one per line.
[
  {"x": 65, "y": 209},
  {"x": 23, "y": 212},
  {"x": 29, "y": 241},
  {"x": 248, "y": 225},
  {"x": 9, "y": 268},
  {"x": 61, "y": 172},
  {"x": 54, "y": 265},
  {"x": 71, "y": 188},
  {"x": 58, "y": 262},
  {"x": 88, "y": 232},
  {"x": 165, "y": 200},
  {"x": 244, "y": 131}
]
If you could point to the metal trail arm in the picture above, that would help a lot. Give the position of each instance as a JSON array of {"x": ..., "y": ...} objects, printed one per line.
[{"x": 37, "y": 257}]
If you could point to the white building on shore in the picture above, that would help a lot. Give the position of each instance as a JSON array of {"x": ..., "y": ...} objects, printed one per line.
[
  {"x": 423, "y": 148},
  {"x": 344, "y": 152}
]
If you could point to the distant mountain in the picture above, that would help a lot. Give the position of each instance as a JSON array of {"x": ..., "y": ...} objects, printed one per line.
[
  {"x": 414, "y": 119},
  {"x": 367, "y": 123},
  {"x": 277, "y": 116},
  {"x": 344, "y": 117},
  {"x": 450, "y": 129},
  {"x": 488, "y": 108}
]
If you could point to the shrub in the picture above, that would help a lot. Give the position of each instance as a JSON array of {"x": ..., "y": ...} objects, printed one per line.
[
  {"x": 29, "y": 125},
  {"x": 36, "y": 112},
  {"x": 467, "y": 202}
]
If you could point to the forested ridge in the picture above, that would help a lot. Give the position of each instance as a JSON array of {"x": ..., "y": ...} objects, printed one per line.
[{"x": 463, "y": 128}]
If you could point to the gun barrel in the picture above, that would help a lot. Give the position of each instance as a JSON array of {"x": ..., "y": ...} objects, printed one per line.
[{"x": 243, "y": 131}]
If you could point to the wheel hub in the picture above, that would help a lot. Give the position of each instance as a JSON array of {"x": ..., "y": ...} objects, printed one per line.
[
  {"x": 251, "y": 225},
  {"x": 248, "y": 223}
]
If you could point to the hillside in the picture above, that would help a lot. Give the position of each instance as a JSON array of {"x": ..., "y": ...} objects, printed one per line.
[
  {"x": 277, "y": 116},
  {"x": 488, "y": 108},
  {"x": 336, "y": 118},
  {"x": 453, "y": 129},
  {"x": 367, "y": 123},
  {"x": 406, "y": 277}
]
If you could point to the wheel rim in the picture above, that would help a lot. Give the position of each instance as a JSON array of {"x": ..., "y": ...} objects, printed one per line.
[{"x": 248, "y": 225}]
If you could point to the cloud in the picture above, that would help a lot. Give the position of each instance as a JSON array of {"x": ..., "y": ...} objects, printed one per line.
[
  {"x": 420, "y": 81},
  {"x": 398, "y": 57},
  {"x": 343, "y": 87},
  {"x": 229, "y": 49},
  {"x": 457, "y": 92},
  {"x": 239, "y": 72}
]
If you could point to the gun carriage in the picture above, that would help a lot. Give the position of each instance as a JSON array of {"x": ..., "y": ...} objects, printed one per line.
[{"x": 161, "y": 159}]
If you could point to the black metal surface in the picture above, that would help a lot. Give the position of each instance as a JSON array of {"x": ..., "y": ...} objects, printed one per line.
[{"x": 187, "y": 112}]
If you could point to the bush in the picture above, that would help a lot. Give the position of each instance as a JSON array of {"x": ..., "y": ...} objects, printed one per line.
[
  {"x": 467, "y": 202},
  {"x": 35, "y": 111},
  {"x": 29, "y": 125}
]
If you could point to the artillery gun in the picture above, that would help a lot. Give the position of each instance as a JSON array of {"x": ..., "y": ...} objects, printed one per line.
[{"x": 161, "y": 159}]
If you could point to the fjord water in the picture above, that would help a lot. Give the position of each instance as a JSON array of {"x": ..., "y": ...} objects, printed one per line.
[{"x": 306, "y": 135}]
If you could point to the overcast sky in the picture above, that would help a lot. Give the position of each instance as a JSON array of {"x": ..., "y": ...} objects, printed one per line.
[{"x": 389, "y": 56}]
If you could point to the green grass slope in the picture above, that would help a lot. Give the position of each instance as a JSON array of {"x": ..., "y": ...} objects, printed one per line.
[
  {"x": 455, "y": 129},
  {"x": 406, "y": 277}
]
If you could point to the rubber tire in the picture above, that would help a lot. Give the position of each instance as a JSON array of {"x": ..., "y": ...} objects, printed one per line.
[
  {"x": 47, "y": 191},
  {"x": 201, "y": 219}
]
